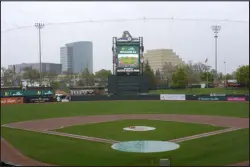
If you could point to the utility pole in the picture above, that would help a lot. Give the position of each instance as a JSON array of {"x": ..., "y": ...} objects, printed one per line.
[
  {"x": 40, "y": 26},
  {"x": 216, "y": 29}
]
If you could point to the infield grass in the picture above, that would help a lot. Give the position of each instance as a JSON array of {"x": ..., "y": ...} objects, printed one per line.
[
  {"x": 24, "y": 112},
  {"x": 165, "y": 130},
  {"x": 222, "y": 149}
]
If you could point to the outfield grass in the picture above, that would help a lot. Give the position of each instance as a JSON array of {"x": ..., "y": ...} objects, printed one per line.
[
  {"x": 222, "y": 149},
  {"x": 165, "y": 130},
  {"x": 24, "y": 112},
  {"x": 202, "y": 91}
]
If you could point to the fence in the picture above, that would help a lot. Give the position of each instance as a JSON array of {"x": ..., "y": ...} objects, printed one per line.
[
  {"x": 167, "y": 97},
  {"x": 45, "y": 94}
]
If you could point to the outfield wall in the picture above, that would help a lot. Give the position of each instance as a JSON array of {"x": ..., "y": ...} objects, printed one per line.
[
  {"x": 169, "y": 97},
  {"x": 115, "y": 97}
]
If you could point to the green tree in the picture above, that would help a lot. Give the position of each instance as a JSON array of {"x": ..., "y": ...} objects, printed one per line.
[
  {"x": 214, "y": 73},
  {"x": 157, "y": 73},
  {"x": 7, "y": 76},
  {"x": 30, "y": 74},
  {"x": 220, "y": 76},
  {"x": 150, "y": 73},
  {"x": 193, "y": 72},
  {"x": 207, "y": 75},
  {"x": 49, "y": 76},
  {"x": 87, "y": 78},
  {"x": 158, "y": 76},
  {"x": 55, "y": 85},
  {"x": 85, "y": 72},
  {"x": 102, "y": 76},
  {"x": 167, "y": 71},
  {"x": 229, "y": 76},
  {"x": 67, "y": 77},
  {"x": 180, "y": 78},
  {"x": 103, "y": 73},
  {"x": 242, "y": 75},
  {"x": 18, "y": 78}
]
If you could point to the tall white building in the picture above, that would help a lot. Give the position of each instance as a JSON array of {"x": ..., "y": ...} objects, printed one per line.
[
  {"x": 158, "y": 57},
  {"x": 77, "y": 56}
]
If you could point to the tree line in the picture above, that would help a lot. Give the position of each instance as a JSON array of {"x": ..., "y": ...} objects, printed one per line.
[
  {"x": 180, "y": 76},
  {"x": 85, "y": 78},
  {"x": 174, "y": 76}
]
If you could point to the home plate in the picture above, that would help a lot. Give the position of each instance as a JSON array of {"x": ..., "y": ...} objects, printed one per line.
[{"x": 139, "y": 128}]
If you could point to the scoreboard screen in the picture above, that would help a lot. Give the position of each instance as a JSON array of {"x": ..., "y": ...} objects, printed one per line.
[{"x": 128, "y": 58}]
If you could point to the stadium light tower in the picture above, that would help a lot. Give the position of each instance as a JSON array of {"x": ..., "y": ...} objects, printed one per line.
[
  {"x": 40, "y": 26},
  {"x": 216, "y": 29}
]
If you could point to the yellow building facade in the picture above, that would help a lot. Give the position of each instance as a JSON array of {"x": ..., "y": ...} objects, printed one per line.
[{"x": 158, "y": 57}]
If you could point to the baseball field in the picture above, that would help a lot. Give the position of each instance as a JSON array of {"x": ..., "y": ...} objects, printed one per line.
[{"x": 81, "y": 133}]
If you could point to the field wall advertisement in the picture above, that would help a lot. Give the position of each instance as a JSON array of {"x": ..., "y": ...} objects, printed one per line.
[
  {"x": 236, "y": 99},
  {"x": 173, "y": 97},
  {"x": 13, "y": 93},
  {"x": 39, "y": 99},
  {"x": 128, "y": 58},
  {"x": 12, "y": 100}
]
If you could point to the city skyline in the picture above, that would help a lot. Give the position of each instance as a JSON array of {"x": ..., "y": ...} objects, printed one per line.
[{"x": 45, "y": 67}]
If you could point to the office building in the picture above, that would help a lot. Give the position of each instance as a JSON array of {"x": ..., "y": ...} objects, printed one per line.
[
  {"x": 158, "y": 57},
  {"x": 46, "y": 67},
  {"x": 77, "y": 56},
  {"x": 66, "y": 56}
]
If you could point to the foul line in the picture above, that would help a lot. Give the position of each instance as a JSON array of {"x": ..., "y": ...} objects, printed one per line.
[
  {"x": 203, "y": 135},
  {"x": 101, "y": 140},
  {"x": 82, "y": 137}
]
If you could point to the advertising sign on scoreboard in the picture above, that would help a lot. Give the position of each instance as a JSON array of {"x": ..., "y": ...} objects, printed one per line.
[{"x": 128, "y": 58}]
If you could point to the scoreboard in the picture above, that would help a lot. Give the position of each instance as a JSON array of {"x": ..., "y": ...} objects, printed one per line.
[{"x": 127, "y": 54}]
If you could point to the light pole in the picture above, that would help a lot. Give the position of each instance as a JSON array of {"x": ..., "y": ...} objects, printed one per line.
[
  {"x": 207, "y": 70},
  {"x": 225, "y": 66},
  {"x": 40, "y": 26},
  {"x": 216, "y": 29}
]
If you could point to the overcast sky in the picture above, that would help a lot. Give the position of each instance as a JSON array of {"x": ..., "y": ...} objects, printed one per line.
[{"x": 190, "y": 39}]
